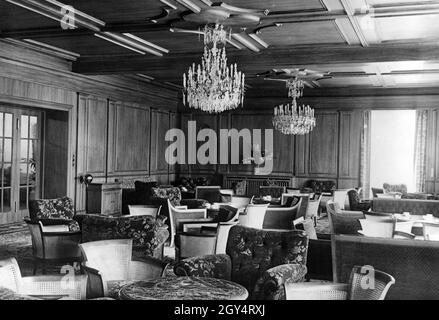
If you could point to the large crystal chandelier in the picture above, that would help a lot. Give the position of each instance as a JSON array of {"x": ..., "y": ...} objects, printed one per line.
[
  {"x": 213, "y": 86},
  {"x": 294, "y": 119}
]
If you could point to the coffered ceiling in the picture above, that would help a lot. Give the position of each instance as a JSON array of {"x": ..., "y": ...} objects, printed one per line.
[{"x": 361, "y": 45}]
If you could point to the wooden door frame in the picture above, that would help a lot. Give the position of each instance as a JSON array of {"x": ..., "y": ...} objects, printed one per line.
[{"x": 20, "y": 102}]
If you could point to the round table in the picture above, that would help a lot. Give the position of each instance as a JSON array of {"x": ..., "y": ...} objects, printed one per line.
[{"x": 183, "y": 288}]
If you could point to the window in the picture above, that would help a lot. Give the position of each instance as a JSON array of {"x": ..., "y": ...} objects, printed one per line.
[{"x": 392, "y": 148}]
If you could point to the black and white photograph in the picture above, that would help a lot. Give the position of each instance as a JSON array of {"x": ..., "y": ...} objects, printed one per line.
[{"x": 219, "y": 155}]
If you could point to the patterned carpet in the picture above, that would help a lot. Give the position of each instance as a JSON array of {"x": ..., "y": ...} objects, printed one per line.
[{"x": 12, "y": 227}]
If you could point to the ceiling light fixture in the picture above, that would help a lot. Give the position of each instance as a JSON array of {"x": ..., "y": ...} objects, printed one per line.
[
  {"x": 294, "y": 119},
  {"x": 214, "y": 86}
]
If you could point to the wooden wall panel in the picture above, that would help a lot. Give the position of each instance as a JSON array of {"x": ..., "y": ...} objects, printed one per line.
[
  {"x": 91, "y": 154},
  {"x": 249, "y": 121},
  {"x": 349, "y": 149},
  {"x": 283, "y": 153},
  {"x": 56, "y": 134},
  {"x": 323, "y": 145},
  {"x": 204, "y": 121},
  {"x": 129, "y": 127},
  {"x": 92, "y": 135},
  {"x": 159, "y": 127},
  {"x": 184, "y": 169}
]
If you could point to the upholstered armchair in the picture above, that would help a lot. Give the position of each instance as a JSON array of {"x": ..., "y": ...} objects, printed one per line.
[
  {"x": 354, "y": 290},
  {"x": 355, "y": 204},
  {"x": 179, "y": 213},
  {"x": 343, "y": 221},
  {"x": 161, "y": 195},
  {"x": 55, "y": 235},
  {"x": 260, "y": 260},
  {"x": 58, "y": 211},
  {"x": 149, "y": 233},
  {"x": 109, "y": 265},
  {"x": 273, "y": 191}
]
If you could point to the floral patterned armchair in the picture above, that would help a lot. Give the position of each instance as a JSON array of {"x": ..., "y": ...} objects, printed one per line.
[
  {"x": 148, "y": 233},
  {"x": 58, "y": 211},
  {"x": 260, "y": 260}
]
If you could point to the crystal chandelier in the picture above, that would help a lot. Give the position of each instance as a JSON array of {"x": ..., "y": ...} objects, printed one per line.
[
  {"x": 213, "y": 86},
  {"x": 294, "y": 119}
]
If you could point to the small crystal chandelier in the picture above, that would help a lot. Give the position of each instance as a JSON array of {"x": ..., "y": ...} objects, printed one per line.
[
  {"x": 213, "y": 86},
  {"x": 294, "y": 119}
]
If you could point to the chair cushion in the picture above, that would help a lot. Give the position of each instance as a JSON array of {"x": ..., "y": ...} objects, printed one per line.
[
  {"x": 60, "y": 208},
  {"x": 171, "y": 193},
  {"x": 143, "y": 191}
]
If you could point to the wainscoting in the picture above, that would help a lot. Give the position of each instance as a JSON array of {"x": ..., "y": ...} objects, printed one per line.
[{"x": 116, "y": 124}]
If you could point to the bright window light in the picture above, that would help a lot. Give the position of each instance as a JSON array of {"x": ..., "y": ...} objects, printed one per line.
[{"x": 392, "y": 148}]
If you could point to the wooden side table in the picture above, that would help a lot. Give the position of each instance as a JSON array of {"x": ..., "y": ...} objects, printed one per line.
[{"x": 104, "y": 198}]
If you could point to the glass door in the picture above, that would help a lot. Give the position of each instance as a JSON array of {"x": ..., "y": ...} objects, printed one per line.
[
  {"x": 20, "y": 161},
  {"x": 28, "y": 159},
  {"x": 6, "y": 137}
]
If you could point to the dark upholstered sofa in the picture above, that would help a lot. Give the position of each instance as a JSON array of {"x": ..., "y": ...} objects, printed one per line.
[
  {"x": 260, "y": 260},
  {"x": 414, "y": 206},
  {"x": 319, "y": 186},
  {"x": 413, "y": 263},
  {"x": 149, "y": 234}
]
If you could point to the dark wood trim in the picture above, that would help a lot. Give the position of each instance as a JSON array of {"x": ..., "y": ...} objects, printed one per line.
[
  {"x": 281, "y": 58},
  {"x": 20, "y": 101}
]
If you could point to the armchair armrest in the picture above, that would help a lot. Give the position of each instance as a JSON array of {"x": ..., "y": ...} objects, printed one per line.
[
  {"x": 96, "y": 286},
  {"x": 146, "y": 268},
  {"x": 404, "y": 234},
  {"x": 316, "y": 291},
  {"x": 196, "y": 223},
  {"x": 181, "y": 207},
  {"x": 271, "y": 286},
  {"x": 213, "y": 266},
  {"x": 55, "y": 286}
]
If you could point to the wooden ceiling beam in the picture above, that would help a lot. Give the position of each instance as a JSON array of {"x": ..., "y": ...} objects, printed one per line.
[
  {"x": 260, "y": 92},
  {"x": 129, "y": 27},
  {"x": 259, "y": 62}
]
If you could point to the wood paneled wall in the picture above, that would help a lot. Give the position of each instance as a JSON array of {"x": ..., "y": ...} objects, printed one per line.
[
  {"x": 121, "y": 142},
  {"x": 330, "y": 152},
  {"x": 116, "y": 124}
]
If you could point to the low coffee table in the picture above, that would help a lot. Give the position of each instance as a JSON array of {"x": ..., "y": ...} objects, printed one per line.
[{"x": 183, "y": 288}]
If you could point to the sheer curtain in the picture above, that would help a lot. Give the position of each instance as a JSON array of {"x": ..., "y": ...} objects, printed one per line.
[
  {"x": 365, "y": 157},
  {"x": 420, "y": 146}
]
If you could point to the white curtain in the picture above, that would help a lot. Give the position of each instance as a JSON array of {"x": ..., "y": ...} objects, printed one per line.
[
  {"x": 365, "y": 157},
  {"x": 420, "y": 147}
]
